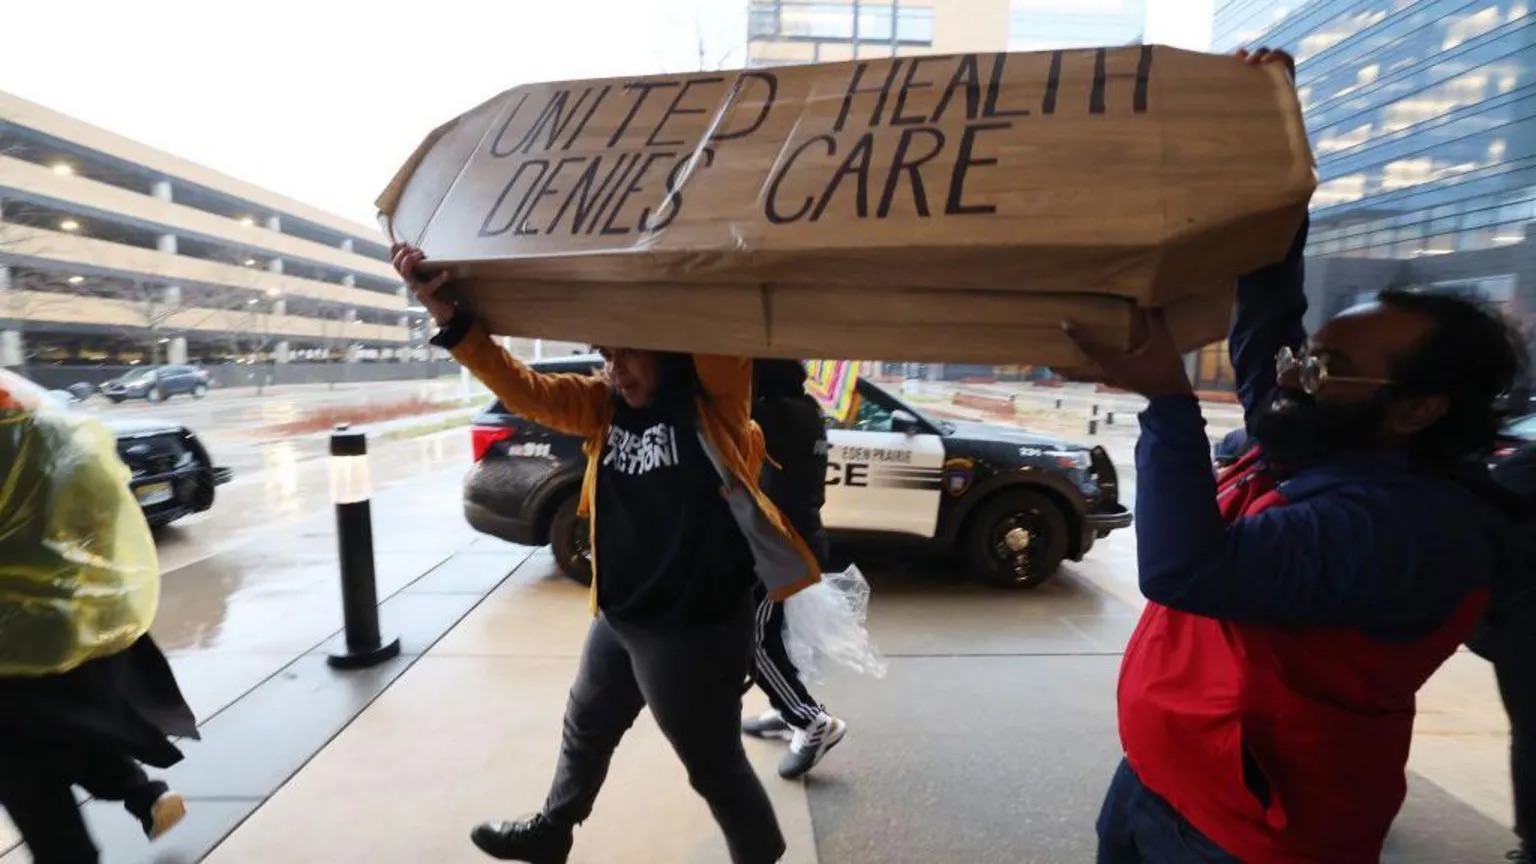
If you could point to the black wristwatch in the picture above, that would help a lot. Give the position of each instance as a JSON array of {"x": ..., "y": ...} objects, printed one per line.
[{"x": 452, "y": 333}]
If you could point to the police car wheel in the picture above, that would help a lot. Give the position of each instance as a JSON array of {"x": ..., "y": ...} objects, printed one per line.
[
  {"x": 1017, "y": 539},
  {"x": 571, "y": 542}
]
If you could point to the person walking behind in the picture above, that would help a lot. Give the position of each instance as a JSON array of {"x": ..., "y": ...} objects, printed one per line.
[
  {"x": 1507, "y": 638},
  {"x": 794, "y": 479},
  {"x": 1297, "y": 604},
  {"x": 680, "y": 533},
  {"x": 85, "y": 694}
]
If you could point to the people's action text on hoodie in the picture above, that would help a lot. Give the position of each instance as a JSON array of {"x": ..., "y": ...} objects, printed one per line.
[{"x": 636, "y": 453}]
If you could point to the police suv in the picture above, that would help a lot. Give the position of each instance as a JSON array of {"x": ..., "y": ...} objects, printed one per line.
[{"x": 1013, "y": 503}]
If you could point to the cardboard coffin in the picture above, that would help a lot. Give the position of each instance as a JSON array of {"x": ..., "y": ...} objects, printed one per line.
[{"x": 941, "y": 208}]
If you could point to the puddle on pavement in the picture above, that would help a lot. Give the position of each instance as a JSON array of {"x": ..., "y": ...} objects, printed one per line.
[
  {"x": 276, "y": 412},
  {"x": 280, "y": 473},
  {"x": 269, "y": 583},
  {"x": 292, "y": 484}
]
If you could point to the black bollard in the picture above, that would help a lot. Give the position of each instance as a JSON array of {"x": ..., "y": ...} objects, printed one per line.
[
  {"x": 1058, "y": 404},
  {"x": 351, "y": 488},
  {"x": 1095, "y": 410},
  {"x": 1093, "y": 427},
  {"x": 1109, "y": 418}
]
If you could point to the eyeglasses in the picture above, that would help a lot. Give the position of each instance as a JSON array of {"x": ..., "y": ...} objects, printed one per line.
[{"x": 1312, "y": 370}]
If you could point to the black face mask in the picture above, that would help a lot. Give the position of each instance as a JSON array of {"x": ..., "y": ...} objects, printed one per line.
[
  {"x": 1298, "y": 431},
  {"x": 677, "y": 383}
]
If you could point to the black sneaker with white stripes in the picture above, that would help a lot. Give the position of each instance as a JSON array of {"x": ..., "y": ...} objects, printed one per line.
[
  {"x": 768, "y": 725},
  {"x": 810, "y": 744}
]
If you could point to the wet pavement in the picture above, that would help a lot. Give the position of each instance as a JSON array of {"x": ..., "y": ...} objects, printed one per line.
[
  {"x": 280, "y": 477},
  {"x": 991, "y": 740},
  {"x": 241, "y": 428},
  {"x": 247, "y": 631},
  {"x": 292, "y": 485}
]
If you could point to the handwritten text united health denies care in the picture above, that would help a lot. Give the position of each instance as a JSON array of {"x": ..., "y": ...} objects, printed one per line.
[{"x": 551, "y": 193}]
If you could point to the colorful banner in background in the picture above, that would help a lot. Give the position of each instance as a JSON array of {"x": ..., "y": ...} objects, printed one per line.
[{"x": 833, "y": 383}]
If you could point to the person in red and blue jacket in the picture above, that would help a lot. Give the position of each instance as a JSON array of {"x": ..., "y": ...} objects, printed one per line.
[{"x": 1297, "y": 602}]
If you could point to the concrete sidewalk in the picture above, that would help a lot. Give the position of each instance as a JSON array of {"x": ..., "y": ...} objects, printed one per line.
[
  {"x": 990, "y": 742},
  {"x": 471, "y": 732},
  {"x": 247, "y": 632}
]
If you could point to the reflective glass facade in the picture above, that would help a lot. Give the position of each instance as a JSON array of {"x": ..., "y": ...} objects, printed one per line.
[
  {"x": 1423, "y": 120},
  {"x": 1422, "y": 115},
  {"x": 810, "y": 31},
  {"x": 1046, "y": 25}
]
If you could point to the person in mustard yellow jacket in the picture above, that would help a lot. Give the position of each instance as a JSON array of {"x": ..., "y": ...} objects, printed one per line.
[{"x": 681, "y": 532}]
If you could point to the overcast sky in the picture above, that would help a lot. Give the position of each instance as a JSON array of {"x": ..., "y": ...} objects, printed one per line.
[{"x": 322, "y": 100}]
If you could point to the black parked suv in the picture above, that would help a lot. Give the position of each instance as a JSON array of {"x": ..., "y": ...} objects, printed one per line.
[
  {"x": 171, "y": 473},
  {"x": 157, "y": 383},
  {"x": 1014, "y": 503}
]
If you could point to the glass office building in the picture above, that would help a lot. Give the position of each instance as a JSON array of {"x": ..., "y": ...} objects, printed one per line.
[
  {"x": 817, "y": 31},
  {"x": 1422, "y": 115},
  {"x": 811, "y": 31},
  {"x": 1048, "y": 25}
]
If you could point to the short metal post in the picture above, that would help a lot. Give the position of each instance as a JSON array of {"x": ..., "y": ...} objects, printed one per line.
[
  {"x": 1095, "y": 409},
  {"x": 351, "y": 489},
  {"x": 1058, "y": 404},
  {"x": 1093, "y": 427},
  {"x": 1109, "y": 418}
]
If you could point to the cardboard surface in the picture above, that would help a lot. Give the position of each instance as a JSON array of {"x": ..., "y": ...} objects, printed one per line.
[{"x": 934, "y": 208}]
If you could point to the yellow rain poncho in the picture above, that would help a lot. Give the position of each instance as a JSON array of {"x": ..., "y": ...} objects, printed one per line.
[{"x": 78, "y": 574}]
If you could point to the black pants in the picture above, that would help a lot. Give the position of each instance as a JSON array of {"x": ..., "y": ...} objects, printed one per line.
[
  {"x": 36, "y": 790},
  {"x": 775, "y": 674},
  {"x": 772, "y": 670},
  {"x": 1136, "y": 826},
  {"x": 691, "y": 679},
  {"x": 1515, "y": 668}
]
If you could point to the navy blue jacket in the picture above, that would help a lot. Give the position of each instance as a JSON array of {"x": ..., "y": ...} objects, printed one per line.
[
  {"x": 1366, "y": 541},
  {"x": 1508, "y": 632}
]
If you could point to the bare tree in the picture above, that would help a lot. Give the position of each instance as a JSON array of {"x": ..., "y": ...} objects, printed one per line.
[
  {"x": 20, "y": 308},
  {"x": 143, "y": 309},
  {"x": 25, "y": 301},
  {"x": 335, "y": 326},
  {"x": 246, "y": 323},
  {"x": 154, "y": 306},
  {"x": 706, "y": 59},
  {"x": 721, "y": 60}
]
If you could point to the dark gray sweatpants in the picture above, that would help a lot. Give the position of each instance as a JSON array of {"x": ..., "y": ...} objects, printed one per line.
[{"x": 691, "y": 679}]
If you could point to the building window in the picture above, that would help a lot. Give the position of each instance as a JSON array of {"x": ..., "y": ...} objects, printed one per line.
[
  {"x": 763, "y": 20},
  {"x": 1213, "y": 368},
  {"x": 816, "y": 20},
  {"x": 914, "y": 26},
  {"x": 851, "y": 22},
  {"x": 875, "y": 23},
  {"x": 1046, "y": 25}
]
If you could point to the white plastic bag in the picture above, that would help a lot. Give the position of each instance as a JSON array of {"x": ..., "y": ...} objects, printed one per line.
[{"x": 825, "y": 624}]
